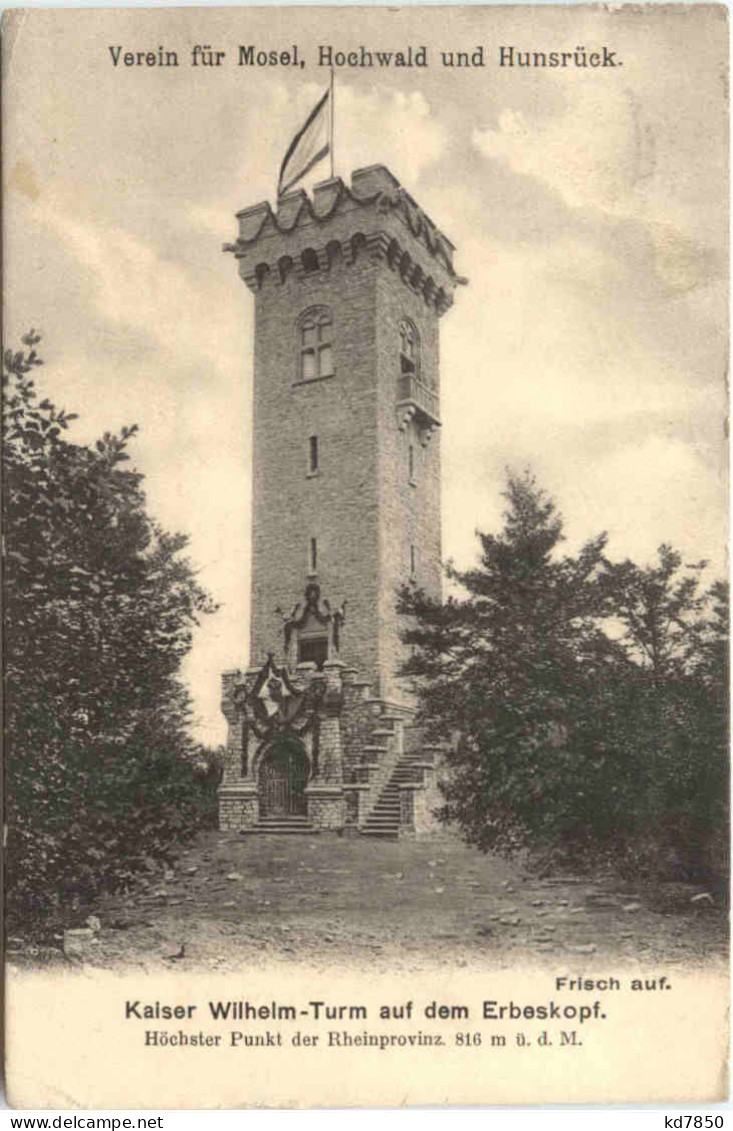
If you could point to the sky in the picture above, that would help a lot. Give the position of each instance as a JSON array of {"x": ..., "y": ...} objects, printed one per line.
[{"x": 588, "y": 207}]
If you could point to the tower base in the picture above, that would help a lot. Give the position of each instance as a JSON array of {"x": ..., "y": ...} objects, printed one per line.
[{"x": 314, "y": 751}]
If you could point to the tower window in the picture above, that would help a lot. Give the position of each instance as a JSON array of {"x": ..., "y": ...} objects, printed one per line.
[
  {"x": 409, "y": 348},
  {"x": 313, "y": 455},
  {"x": 412, "y": 560},
  {"x": 333, "y": 252},
  {"x": 313, "y": 650},
  {"x": 284, "y": 266},
  {"x": 358, "y": 243},
  {"x": 411, "y": 463},
  {"x": 313, "y": 555},
  {"x": 316, "y": 350}
]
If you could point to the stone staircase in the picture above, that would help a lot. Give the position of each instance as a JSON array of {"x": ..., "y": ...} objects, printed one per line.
[
  {"x": 380, "y": 746},
  {"x": 384, "y": 818}
]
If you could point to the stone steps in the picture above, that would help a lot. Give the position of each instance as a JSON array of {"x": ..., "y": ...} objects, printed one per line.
[
  {"x": 282, "y": 826},
  {"x": 384, "y": 819}
]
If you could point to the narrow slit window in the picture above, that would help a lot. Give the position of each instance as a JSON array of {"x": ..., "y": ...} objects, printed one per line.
[
  {"x": 412, "y": 560},
  {"x": 314, "y": 555},
  {"x": 313, "y": 455},
  {"x": 411, "y": 463}
]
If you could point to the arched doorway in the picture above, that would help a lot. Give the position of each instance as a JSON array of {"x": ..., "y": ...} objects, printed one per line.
[{"x": 283, "y": 777}]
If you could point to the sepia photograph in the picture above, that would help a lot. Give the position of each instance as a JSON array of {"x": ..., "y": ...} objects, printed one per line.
[{"x": 365, "y": 555}]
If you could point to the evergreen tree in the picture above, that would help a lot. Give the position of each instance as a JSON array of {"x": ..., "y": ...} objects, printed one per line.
[
  {"x": 581, "y": 700},
  {"x": 676, "y": 634},
  {"x": 504, "y": 675}
]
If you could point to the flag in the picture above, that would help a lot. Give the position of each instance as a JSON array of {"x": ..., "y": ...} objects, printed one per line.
[{"x": 309, "y": 146}]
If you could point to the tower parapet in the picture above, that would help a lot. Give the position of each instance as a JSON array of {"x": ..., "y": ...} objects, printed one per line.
[{"x": 305, "y": 234}]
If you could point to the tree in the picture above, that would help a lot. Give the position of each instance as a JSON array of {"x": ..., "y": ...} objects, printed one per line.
[
  {"x": 676, "y": 634},
  {"x": 660, "y": 608},
  {"x": 569, "y": 691},
  {"x": 504, "y": 673},
  {"x": 99, "y": 611}
]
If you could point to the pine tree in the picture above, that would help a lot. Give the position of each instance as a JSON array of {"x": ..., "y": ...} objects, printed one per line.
[
  {"x": 582, "y": 701},
  {"x": 504, "y": 673}
]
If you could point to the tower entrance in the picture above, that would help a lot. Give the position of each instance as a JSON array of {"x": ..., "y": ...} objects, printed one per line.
[{"x": 283, "y": 777}]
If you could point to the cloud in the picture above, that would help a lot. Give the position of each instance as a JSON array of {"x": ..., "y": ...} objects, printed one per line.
[
  {"x": 134, "y": 287},
  {"x": 389, "y": 128},
  {"x": 609, "y": 159},
  {"x": 374, "y": 127},
  {"x": 597, "y": 153},
  {"x": 679, "y": 502},
  {"x": 556, "y": 348}
]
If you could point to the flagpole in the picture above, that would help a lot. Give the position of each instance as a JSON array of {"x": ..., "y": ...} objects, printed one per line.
[{"x": 331, "y": 124}]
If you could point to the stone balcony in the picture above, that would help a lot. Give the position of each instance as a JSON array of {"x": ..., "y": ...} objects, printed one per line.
[{"x": 418, "y": 400}]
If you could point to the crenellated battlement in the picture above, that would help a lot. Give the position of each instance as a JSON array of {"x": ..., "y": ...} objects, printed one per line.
[{"x": 339, "y": 225}]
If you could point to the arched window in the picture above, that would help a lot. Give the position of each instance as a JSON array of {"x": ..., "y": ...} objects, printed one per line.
[
  {"x": 315, "y": 331},
  {"x": 333, "y": 252},
  {"x": 309, "y": 259},
  {"x": 409, "y": 349},
  {"x": 285, "y": 266},
  {"x": 358, "y": 243}
]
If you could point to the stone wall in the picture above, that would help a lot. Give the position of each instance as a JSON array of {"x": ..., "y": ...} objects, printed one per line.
[
  {"x": 326, "y": 808},
  {"x": 378, "y": 260},
  {"x": 409, "y": 506},
  {"x": 338, "y": 505},
  {"x": 238, "y": 809}
]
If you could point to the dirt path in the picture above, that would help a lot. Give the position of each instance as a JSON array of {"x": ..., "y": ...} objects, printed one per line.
[{"x": 386, "y": 905}]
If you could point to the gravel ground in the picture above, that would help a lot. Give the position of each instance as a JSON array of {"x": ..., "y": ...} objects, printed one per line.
[{"x": 382, "y": 904}]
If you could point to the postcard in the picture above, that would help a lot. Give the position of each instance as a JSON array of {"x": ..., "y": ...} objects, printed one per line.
[{"x": 365, "y": 555}]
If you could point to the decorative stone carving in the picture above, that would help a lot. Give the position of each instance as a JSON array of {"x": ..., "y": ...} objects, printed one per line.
[
  {"x": 273, "y": 702},
  {"x": 313, "y": 609}
]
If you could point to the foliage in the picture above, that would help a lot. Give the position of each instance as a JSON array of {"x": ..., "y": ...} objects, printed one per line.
[
  {"x": 676, "y": 634},
  {"x": 583, "y": 702},
  {"x": 99, "y": 612}
]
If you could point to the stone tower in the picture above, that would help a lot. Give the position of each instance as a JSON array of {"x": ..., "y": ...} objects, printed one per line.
[{"x": 349, "y": 287}]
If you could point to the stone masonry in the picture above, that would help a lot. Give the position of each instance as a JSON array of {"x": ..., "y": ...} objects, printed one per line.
[{"x": 346, "y": 483}]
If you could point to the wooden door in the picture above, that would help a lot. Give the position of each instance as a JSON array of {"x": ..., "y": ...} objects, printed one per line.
[{"x": 283, "y": 778}]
